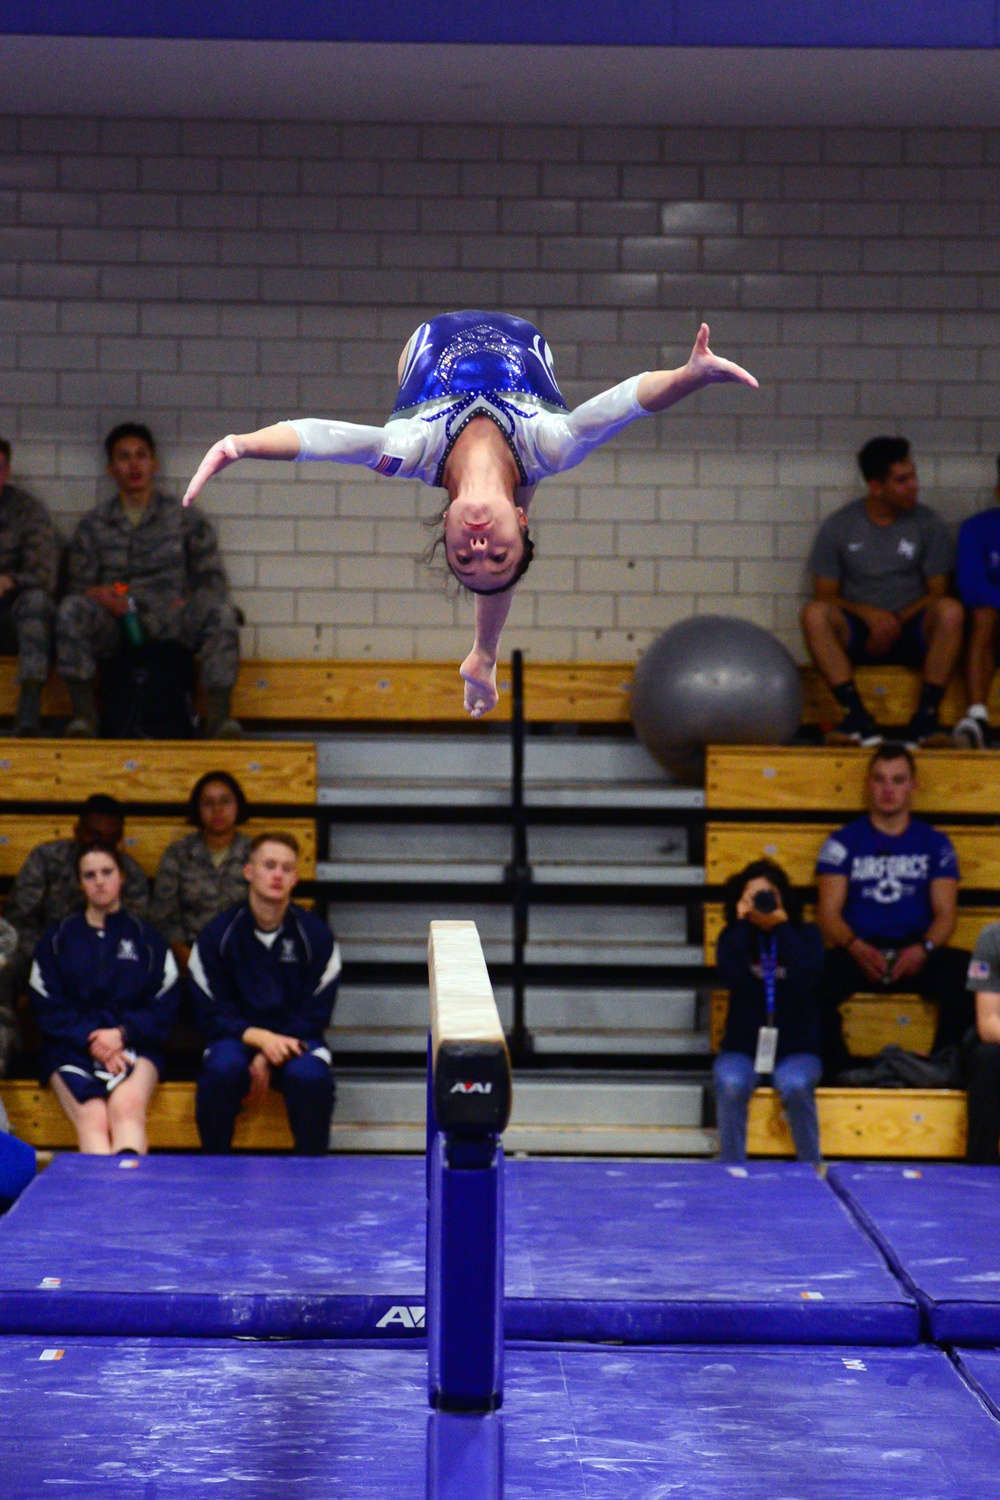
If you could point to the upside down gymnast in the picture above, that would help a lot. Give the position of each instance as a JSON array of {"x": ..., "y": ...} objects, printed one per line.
[{"x": 480, "y": 415}]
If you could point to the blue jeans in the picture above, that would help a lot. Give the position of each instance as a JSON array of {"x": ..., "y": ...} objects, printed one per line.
[{"x": 795, "y": 1078}]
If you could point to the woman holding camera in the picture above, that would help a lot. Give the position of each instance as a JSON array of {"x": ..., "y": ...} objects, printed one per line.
[{"x": 770, "y": 961}]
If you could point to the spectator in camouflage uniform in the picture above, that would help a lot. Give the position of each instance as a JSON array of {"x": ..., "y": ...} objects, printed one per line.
[
  {"x": 169, "y": 559},
  {"x": 46, "y": 890},
  {"x": 29, "y": 564},
  {"x": 202, "y": 873},
  {"x": 8, "y": 1015}
]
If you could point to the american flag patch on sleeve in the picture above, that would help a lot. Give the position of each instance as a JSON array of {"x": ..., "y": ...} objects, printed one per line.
[
  {"x": 978, "y": 969},
  {"x": 387, "y": 464}
]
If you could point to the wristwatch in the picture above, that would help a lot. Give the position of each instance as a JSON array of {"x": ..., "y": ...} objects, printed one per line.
[{"x": 929, "y": 945}]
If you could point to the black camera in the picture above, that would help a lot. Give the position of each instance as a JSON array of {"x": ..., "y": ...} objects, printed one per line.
[{"x": 765, "y": 902}]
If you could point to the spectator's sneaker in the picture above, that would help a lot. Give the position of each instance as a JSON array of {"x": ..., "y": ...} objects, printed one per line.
[
  {"x": 857, "y": 727},
  {"x": 925, "y": 730},
  {"x": 974, "y": 733}
]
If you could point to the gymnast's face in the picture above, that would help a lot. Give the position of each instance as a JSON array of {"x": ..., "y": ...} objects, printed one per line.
[{"x": 484, "y": 541}]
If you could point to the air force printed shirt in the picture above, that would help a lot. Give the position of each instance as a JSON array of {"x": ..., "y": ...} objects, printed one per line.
[{"x": 888, "y": 877}]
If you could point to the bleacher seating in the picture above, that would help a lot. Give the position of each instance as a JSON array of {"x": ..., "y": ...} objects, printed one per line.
[
  {"x": 743, "y": 783},
  {"x": 778, "y": 801},
  {"x": 310, "y": 691}
]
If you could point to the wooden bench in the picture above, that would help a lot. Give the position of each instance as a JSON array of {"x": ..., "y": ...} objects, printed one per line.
[
  {"x": 35, "y": 1116},
  {"x": 781, "y": 778},
  {"x": 309, "y": 690},
  {"x": 270, "y": 771},
  {"x": 971, "y": 921},
  {"x": 914, "y": 1123},
  {"x": 870, "y": 1022},
  {"x": 145, "y": 839},
  {"x": 730, "y": 846}
]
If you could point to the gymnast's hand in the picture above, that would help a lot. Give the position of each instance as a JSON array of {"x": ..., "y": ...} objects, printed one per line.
[
  {"x": 706, "y": 368},
  {"x": 218, "y": 457},
  {"x": 480, "y": 678}
]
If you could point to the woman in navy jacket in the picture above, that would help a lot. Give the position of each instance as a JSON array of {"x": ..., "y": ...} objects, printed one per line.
[
  {"x": 766, "y": 947},
  {"x": 104, "y": 992}
]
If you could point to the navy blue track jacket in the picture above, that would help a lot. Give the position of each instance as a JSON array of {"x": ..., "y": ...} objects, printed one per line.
[
  {"x": 238, "y": 981},
  {"x": 87, "y": 977}
]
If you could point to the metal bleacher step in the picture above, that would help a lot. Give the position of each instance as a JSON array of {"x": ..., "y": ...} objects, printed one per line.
[
  {"x": 396, "y": 932},
  {"x": 459, "y": 770},
  {"x": 583, "y": 1113},
  {"x": 478, "y": 854},
  {"x": 588, "y": 1022}
]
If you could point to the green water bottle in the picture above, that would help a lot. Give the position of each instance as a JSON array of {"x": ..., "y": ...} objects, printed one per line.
[{"x": 134, "y": 633}]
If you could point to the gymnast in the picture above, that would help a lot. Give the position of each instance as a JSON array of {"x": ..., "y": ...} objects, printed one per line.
[{"x": 479, "y": 414}]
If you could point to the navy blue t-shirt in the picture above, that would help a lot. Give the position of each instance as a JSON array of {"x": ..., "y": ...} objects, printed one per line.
[{"x": 889, "y": 877}]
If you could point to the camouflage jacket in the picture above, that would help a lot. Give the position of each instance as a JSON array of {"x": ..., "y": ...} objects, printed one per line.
[
  {"x": 46, "y": 890},
  {"x": 8, "y": 1016},
  {"x": 171, "y": 554},
  {"x": 29, "y": 542},
  {"x": 190, "y": 890}
]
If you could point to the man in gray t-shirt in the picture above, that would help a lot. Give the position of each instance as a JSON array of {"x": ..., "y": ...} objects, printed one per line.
[
  {"x": 983, "y": 1057},
  {"x": 880, "y": 569}
]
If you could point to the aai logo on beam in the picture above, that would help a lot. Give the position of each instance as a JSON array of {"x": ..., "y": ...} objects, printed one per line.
[
  {"x": 472, "y": 1088},
  {"x": 402, "y": 1317}
]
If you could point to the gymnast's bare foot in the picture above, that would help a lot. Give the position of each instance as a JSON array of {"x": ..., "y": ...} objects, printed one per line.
[{"x": 480, "y": 678}]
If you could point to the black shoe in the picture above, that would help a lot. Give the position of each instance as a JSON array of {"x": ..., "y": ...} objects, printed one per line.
[
  {"x": 924, "y": 729},
  {"x": 857, "y": 727}
]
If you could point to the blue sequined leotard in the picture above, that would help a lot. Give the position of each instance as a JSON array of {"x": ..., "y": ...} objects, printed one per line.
[{"x": 475, "y": 364}]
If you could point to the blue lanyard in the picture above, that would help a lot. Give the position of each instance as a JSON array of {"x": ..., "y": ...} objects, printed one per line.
[{"x": 769, "y": 969}]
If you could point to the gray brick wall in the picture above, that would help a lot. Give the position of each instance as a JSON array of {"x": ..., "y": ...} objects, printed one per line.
[{"x": 213, "y": 276}]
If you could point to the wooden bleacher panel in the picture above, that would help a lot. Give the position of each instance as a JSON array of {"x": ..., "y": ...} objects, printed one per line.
[
  {"x": 730, "y": 846},
  {"x": 890, "y": 693},
  {"x": 584, "y": 692},
  {"x": 970, "y": 923},
  {"x": 145, "y": 838},
  {"x": 873, "y": 1021},
  {"x": 309, "y": 690},
  {"x": 853, "y": 1122},
  {"x": 154, "y": 770},
  {"x": 35, "y": 1116},
  {"x": 784, "y": 778},
  {"x": 870, "y": 1022}
]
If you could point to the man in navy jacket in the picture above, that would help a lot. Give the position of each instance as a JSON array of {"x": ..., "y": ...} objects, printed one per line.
[{"x": 263, "y": 982}]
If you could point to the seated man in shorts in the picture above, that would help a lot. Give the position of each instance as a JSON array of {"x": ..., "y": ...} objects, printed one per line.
[
  {"x": 880, "y": 570},
  {"x": 263, "y": 979}
]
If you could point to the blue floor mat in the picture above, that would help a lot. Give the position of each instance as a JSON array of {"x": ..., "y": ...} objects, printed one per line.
[{"x": 169, "y": 1420}]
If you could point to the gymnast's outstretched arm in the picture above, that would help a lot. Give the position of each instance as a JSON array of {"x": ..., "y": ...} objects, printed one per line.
[
  {"x": 312, "y": 437},
  {"x": 563, "y": 439},
  {"x": 479, "y": 669}
]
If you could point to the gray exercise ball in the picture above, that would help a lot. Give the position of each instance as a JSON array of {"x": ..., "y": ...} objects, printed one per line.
[{"x": 712, "y": 680}]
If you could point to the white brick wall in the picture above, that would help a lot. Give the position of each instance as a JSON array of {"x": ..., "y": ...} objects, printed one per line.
[{"x": 210, "y": 277}]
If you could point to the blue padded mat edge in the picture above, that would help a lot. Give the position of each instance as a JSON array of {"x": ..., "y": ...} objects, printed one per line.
[
  {"x": 334, "y": 1248},
  {"x": 295, "y": 1421},
  {"x": 939, "y": 1227}
]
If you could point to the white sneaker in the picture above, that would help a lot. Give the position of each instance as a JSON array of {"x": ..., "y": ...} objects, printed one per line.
[{"x": 970, "y": 733}]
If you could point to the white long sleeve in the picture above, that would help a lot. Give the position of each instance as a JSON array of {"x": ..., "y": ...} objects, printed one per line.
[
  {"x": 341, "y": 442},
  {"x": 561, "y": 440}
]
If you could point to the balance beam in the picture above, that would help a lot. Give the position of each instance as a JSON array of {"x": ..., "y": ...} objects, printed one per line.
[{"x": 468, "y": 1106}]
